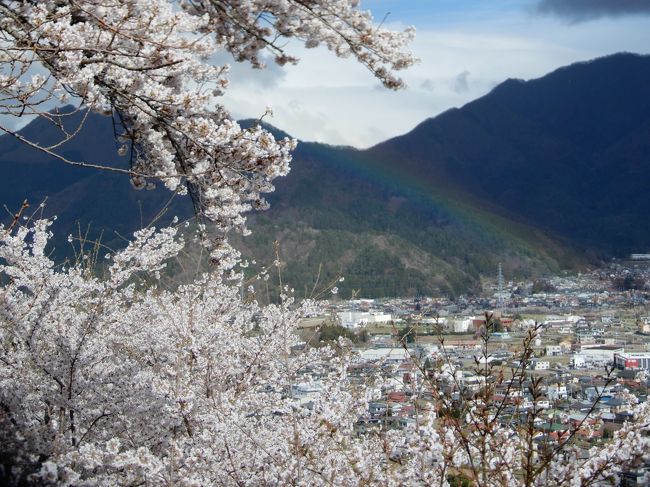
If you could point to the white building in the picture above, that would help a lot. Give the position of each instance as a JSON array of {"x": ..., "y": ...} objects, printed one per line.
[
  {"x": 556, "y": 391},
  {"x": 462, "y": 326},
  {"x": 553, "y": 350},
  {"x": 386, "y": 355},
  {"x": 540, "y": 364},
  {"x": 578, "y": 361},
  {"x": 600, "y": 354},
  {"x": 354, "y": 319}
]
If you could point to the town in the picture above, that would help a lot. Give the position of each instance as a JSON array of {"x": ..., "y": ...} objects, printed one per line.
[{"x": 566, "y": 356}]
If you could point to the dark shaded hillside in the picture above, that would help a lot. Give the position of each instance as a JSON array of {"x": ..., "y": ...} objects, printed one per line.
[
  {"x": 386, "y": 238},
  {"x": 568, "y": 153},
  {"x": 330, "y": 213},
  {"x": 80, "y": 197},
  {"x": 531, "y": 175}
]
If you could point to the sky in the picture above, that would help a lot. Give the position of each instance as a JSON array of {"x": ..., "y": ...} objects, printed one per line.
[{"x": 465, "y": 47}]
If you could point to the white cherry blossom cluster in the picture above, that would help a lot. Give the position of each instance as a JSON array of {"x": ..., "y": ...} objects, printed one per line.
[
  {"x": 116, "y": 381},
  {"x": 119, "y": 381},
  {"x": 248, "y": 27},
  {"x": 147, "y": 63}
]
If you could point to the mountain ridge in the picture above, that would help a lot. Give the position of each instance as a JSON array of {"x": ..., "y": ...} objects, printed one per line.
[
  {"x": 574, "y": 147},
  {"x": 430, "y": 211}
]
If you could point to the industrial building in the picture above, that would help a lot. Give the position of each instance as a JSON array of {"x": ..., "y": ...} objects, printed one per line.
[{"x": 632, "y": 360}]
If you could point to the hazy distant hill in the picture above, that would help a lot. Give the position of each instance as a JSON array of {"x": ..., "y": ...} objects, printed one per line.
[{"x": 532, "y": 175}]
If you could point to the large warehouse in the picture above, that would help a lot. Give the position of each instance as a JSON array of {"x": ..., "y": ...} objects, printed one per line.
[{"x": 632, "y": 360}]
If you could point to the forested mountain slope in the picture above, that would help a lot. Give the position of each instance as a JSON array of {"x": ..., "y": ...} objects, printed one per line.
[{"x": 540, "y": 175}]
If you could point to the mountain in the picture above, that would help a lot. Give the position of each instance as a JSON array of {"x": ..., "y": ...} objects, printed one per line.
[
  {"x": 540, "y": 175},
  {"x": 568, "y": 153},
  {"x": 85, "y": 201},
  {"x": 386, "y": 234}
]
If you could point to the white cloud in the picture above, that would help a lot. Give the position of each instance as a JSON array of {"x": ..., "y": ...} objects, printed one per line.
[
  {"x": 461, "y": 84},
  {"x": 428, "y": 85}
]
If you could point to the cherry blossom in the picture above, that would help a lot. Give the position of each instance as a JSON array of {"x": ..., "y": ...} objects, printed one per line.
[
  {"x": 110, "y": 377},
  {"x": 118, "y": 380},
  {"x": 147, "y": 64}
]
